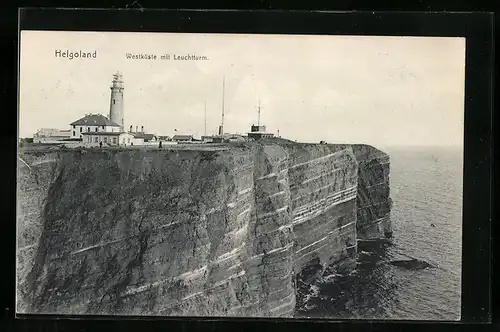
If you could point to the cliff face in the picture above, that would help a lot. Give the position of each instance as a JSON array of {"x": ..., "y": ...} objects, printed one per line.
[
  {"x": 373, "y": 199},
  {"x": 224, "y": 232}
]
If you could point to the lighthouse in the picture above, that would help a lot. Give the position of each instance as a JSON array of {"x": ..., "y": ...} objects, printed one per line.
[{"x": 116, "y": 103}]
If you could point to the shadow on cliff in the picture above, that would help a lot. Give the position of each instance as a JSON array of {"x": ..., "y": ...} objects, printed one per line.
[
  {"x": 34, "y": 293},
  {"x": 92, "y": 206}
]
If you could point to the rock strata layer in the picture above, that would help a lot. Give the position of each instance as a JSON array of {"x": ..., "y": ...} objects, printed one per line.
[{"x": 221, "y": 231}]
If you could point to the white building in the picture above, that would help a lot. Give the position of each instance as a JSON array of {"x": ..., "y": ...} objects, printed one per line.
[
  {"x": 92, "y": 123},
  {"x": 182, "y": 138},
  {"x": 144, "y": 139},
  {"x": 108, "y": 138},
  {"x": 259, "y": 132},
  {"x": 94, "y": 129},
  {"x": 98, "y": 128}
]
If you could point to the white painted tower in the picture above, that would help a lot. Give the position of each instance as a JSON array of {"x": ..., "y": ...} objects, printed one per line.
[{"x": 116, "y": 104}]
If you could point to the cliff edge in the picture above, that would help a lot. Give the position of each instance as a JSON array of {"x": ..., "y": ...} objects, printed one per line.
[{"x": 206, "y": 231}]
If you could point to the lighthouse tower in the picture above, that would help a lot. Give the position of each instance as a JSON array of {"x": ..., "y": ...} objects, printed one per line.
[{"x": 116, "y": 104}]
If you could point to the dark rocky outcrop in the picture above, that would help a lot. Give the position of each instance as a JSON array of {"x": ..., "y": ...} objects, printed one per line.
[
  {"x": 412, "y": 264},
  {"x": 206, "y": 231}
]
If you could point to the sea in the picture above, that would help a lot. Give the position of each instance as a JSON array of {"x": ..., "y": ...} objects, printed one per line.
[{"x": 426, "y": 188}]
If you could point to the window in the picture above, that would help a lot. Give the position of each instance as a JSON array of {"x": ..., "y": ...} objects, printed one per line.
[
  {"x": 74, "y": 132},
  {"x": 88, "y": 129},
  {"x": 113, "y": 101},
  {"x": 105, "y": 139},
  {"x": 114, "y": 140},
  {"x": 81, "y": 129},
  {"x": 128, "y": 140},
  {"x": 124, "y": 141},
  {"x": 102, "y": 127},
  {"x": 95, "y": 139},
  {"x": 96, "y": 129},
  {"x": 74, "y": 126}
]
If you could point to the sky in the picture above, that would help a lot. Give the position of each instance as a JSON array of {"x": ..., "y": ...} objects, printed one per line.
[{"x": 377, "y": 90}]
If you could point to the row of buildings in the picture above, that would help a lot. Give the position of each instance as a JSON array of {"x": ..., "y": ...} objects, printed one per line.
[{"x": 97, "y": 129}]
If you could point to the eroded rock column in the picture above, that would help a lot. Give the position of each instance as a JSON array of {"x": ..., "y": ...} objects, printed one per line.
[
  {"x": 374, "y": 202},
  {"x": 323, "y": 182}
]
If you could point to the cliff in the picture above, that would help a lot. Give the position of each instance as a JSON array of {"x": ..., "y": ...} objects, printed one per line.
[{"x": 219, "y": 231}]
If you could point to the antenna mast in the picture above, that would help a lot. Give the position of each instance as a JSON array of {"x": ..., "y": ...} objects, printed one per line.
[
  {"x": 222, "y": 123},
  {"x": 205, "y": 118},
  {"x": 258, "y": 112}
]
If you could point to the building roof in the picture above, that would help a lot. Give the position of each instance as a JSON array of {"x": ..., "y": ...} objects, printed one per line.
[
  {"x": 182, "y": 137},
  {"x": 94, "y": 120},
  {"x": 143, "y": 135},
  {"x": 51, "y": 132},
  {"x": 259, "y": 133},
  {"x": 104, "y": 133}
]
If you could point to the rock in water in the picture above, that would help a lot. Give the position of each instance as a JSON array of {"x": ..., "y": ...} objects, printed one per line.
[
  {"x": 412, "y": 264},
  {"x": 191, "y": 232}
]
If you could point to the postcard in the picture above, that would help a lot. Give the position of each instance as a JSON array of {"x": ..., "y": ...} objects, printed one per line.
[{"x": 240, "y": 175}]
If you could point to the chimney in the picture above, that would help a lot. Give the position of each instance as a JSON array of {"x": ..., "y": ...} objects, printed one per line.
[
  {"x": 130, "y": 128},
  {"x": 142, "y": 129},
  {"x": 136, "y": 129}
]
